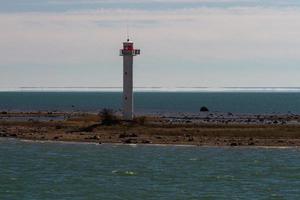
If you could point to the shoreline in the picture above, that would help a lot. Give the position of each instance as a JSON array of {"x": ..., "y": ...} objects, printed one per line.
[
  {"x": 144, "y": 145},
  {"x": 155, "y": 130}
]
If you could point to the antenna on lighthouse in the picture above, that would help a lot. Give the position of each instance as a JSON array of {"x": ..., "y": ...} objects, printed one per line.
[{"x": 127, "y": 32}]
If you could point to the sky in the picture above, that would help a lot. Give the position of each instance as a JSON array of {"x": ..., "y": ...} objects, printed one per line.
[{"x": 184, "y": 43}]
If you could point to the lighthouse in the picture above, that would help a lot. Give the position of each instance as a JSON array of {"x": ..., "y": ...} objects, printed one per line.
[{"x": 128, "y": 52}]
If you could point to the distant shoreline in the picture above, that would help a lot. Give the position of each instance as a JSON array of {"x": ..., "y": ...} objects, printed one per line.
[
  {"x": 152, "y": 89},
  {"x": 278, "y": 131}
]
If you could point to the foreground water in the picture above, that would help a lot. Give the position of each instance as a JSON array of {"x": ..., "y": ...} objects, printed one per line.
[
  {"x": 153, "y": 102},
  {"x": 31, "y": 170}
]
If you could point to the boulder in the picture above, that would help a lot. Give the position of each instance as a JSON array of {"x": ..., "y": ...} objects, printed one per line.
[
  {"x": 13, "y": 135},
  {"x": 129, "y": 141},
  {"x": 2, "y": 134},
  {"x": 145, "y": 142},
  {"x": 233, "y": 144}
]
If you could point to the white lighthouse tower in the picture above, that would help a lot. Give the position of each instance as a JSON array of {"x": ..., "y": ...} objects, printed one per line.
[{"x": 128, "y": 52}]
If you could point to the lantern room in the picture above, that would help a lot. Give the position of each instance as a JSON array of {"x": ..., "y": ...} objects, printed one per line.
[
  {"x": 128, "y": 45},
  {"x": 128, "y": 49}
]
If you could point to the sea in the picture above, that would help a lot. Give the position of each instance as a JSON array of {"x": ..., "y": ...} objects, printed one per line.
[
  {"x": 75, "y": 171},
  {"x": 246, "y": 101},
  {"x": 57, "y": 170}
]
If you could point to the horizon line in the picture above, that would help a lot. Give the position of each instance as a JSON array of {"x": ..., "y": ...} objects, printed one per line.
[{"x": 151, "y": 89}]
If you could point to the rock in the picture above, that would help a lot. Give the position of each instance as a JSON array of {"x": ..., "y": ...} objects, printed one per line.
[
  {"x": 233, "y": 144},
  {"x": 251, "y": 143},
  {"x": 129, "y": 141},
  {"x": 146, "y": 142},
  {"x": 13, "y": 135},
  {"x": 124, "y": 135},
  {"x": 3, "y": 135},
  {"x": 58, "y": 127},
  {"x": 189, "y": 137},
  {"x": 95, "y": 137},
  {"x": 204, "y": 109},
  {"x": 56, "y": 137},
  {"x": 175, "y": 140},
  {"x": 132, "y": 135}
]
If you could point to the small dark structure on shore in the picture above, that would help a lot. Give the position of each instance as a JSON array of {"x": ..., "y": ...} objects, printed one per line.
[{"x": 204, "y": 109}]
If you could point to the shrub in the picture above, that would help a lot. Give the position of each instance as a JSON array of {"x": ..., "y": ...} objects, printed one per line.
[{"x": 108, "y": 117}]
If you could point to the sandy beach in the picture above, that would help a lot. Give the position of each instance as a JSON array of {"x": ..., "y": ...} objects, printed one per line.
[{"x": 208, "y": 129}]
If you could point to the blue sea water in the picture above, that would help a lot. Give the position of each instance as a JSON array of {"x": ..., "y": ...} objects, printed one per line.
[
  {"x": 35, "y": 170},
  {"x": 153, "y": 102}
]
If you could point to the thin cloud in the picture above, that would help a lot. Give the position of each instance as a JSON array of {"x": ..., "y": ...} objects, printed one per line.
[{"x": 181, "y": 41}]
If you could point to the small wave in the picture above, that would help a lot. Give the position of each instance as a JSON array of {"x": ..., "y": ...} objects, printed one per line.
[{"x": 124, "y": 173}]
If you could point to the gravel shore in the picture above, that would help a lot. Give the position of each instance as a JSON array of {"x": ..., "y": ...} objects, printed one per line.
[{"x": 208, "y": 129}]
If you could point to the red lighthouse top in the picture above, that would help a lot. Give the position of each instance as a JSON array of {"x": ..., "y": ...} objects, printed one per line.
[
  {"x": 128, "y": 49},
  {"x": 128, "y": 45}
]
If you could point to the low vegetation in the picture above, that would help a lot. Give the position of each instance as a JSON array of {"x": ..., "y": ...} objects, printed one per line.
[{"x": 108, "y": 117}]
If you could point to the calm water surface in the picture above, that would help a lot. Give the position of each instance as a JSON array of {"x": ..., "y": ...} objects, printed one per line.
[
  {"x": 87, "y": 171},
  {"x": 152, "y": 102}
]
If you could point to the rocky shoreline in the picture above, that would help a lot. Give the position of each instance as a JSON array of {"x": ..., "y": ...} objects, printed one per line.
[{"x": 204, "y": 129}]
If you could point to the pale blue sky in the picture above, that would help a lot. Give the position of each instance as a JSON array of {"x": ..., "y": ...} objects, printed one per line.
[{"x": 190, "y": 43}]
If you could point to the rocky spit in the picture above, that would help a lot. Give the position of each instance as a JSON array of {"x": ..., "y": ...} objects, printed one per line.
[
  {"x": 230, "y": 118},
  {"x": 202, "y": 129}
]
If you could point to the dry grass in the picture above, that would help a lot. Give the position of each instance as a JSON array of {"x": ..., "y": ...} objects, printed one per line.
[{"x": 87, "y": 127}]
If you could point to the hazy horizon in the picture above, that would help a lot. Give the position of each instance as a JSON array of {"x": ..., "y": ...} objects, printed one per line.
[{"x": 152, "y": 89}]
